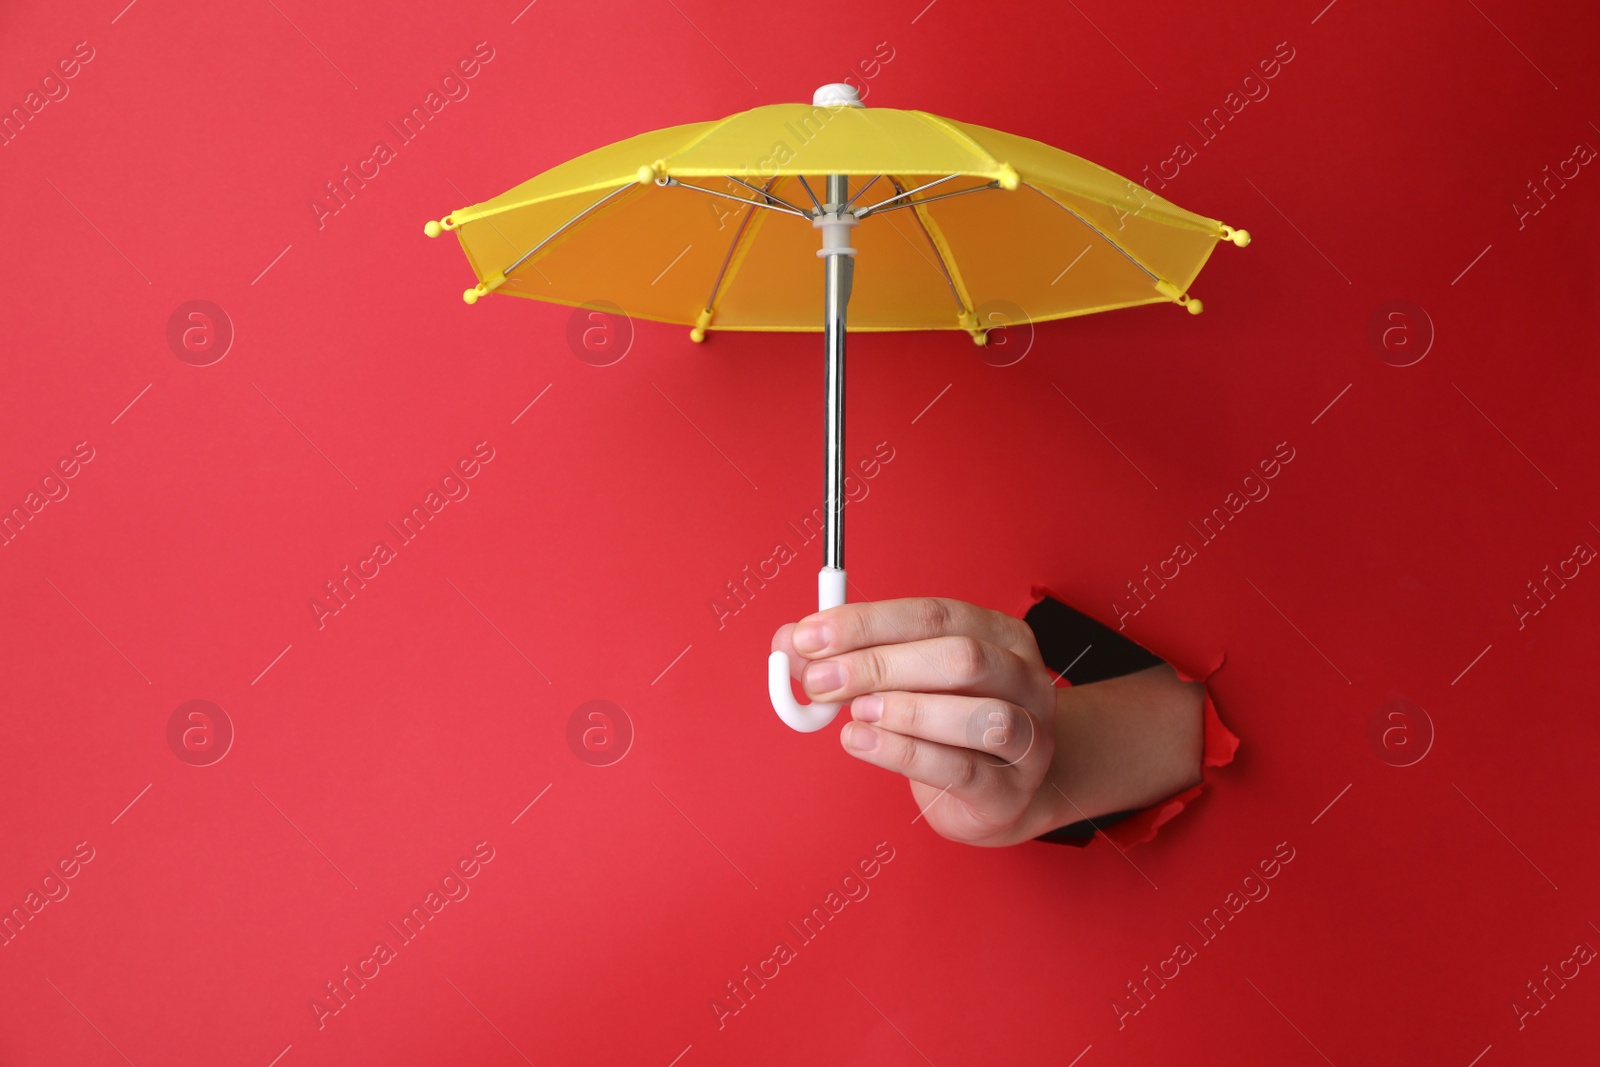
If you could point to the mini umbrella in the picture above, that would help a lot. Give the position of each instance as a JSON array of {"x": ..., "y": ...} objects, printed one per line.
[{"x": 711, "y": 198}]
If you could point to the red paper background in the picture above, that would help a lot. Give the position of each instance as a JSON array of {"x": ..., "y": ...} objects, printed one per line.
[{"x": 424, "y": 718}]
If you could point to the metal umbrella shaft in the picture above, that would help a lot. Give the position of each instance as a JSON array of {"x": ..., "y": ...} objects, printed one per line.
[
  {"x": 839, "y": 268},
  {"x": 835, "y": 221}
]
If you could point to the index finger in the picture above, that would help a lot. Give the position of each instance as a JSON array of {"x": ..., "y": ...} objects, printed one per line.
[{"x": 887, "y": 622}]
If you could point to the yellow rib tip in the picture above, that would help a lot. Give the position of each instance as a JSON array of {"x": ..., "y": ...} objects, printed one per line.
[
  {"x": 701, "y": 321},
  {"x": 1240, "y": 238},
  {"x": 646, "y": 175},
  {"x": 1172, "y": 293},
  {"x": 969, "y": 322},
  {"x": 432, "y": 228},
  {"x": 1008, "y": 177},
  {"x": 488, "y": 285}
]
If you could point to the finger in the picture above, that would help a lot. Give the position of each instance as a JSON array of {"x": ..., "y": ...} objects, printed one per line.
[
  {"x": 996, "y": 728},
  {"x": 783, "y": 641},
  {"x": 939, "y": 665},
  {"x": 965, "y": 773},
  {"x": 885, "y": 622}
]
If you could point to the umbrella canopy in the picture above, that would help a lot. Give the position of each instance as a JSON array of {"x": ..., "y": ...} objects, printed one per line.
[
  {"x": 717, "y": 225},
  {"x": 662, "y": 225}
]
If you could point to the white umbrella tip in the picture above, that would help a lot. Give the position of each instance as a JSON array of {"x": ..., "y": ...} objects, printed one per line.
[{"x": 836, "y": 94}]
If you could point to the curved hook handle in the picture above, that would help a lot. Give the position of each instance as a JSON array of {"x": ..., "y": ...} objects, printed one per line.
[{"x": 806, "y": 718}]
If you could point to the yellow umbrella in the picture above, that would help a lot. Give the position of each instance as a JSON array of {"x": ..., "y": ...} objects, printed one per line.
[{"x": 991, "y": 218}]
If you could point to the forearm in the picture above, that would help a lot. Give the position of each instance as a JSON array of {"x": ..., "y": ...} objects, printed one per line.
[{"x": 1124, "y": 743}]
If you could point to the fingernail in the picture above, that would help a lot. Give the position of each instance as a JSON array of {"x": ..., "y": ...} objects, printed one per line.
[
  {"x": 861, "y": 738},
  {"x": 868, "y": 708},
  {"x": 812, "y": 637},
  {"x": 824, "y": 677}
]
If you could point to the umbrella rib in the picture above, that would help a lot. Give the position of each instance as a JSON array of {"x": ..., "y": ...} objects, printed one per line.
[
  {"x": 1125, "y": 253},
  {"x": 737, "y": 237},
  {"x": 565, "y": 226},
  {"x": 765, "y": 193},
  {"x": 937, "y": 255},
  {"x": 740, "y": 199},
  {"x": 490, "y": 220}
]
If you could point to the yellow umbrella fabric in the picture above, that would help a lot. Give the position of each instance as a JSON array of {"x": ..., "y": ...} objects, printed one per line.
[{"x": 1041, "y": 229}]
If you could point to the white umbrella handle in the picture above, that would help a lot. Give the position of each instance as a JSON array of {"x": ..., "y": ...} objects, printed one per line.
[{"x": 806, "y": 718}]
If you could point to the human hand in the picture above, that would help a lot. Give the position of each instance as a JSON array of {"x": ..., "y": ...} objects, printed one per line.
[{"x": 951, "y": 695}]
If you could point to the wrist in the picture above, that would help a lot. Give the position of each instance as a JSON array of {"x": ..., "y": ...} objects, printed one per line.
[
  {"x": 1123, "y": 744},
  {"x": 1067, "y": 781}
]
